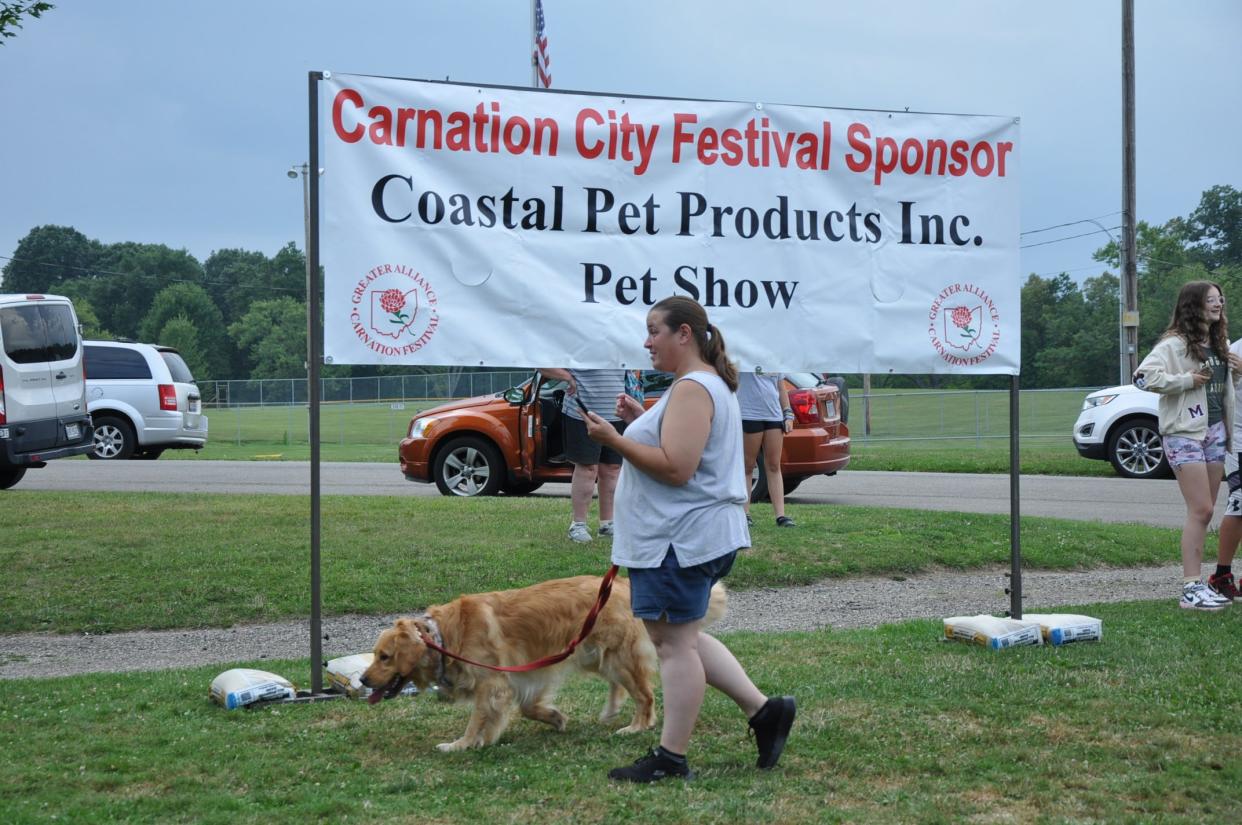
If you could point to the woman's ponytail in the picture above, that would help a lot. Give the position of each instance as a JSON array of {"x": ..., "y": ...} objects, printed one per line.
[{"x": 718, "y": 357}]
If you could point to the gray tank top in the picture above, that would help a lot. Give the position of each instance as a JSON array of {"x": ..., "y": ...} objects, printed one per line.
[{"x": 702, "y": 519}]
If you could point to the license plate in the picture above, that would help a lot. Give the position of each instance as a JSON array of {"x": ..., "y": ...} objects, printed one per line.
[{"x": 73, "y": 432}]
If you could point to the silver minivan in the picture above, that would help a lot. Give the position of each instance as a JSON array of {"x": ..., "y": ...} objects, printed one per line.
[
  {"x": 43, "y": 411},
  {"x": 143, "y": 400}
]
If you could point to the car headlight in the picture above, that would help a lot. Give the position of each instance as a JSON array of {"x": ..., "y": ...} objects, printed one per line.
[
  {"x": 420, "y": 426},
  {"x": 1097, "y": 401}
]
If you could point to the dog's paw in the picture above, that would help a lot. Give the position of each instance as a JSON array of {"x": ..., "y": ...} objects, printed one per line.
[
  {"x": 628, "y": 729},
  {"x": 449, "y": 747}
]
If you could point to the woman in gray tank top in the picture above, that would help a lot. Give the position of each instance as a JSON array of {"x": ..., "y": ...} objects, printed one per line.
[{"x": 679, "y": 524}]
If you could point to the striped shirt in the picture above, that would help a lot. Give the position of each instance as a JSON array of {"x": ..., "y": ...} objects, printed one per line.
[{"x": 598, "y": 389}]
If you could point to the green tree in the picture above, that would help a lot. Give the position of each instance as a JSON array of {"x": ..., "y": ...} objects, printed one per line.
[
  {"x": 272, "y": 335},
  {"x": 126, "y": 278},
  {"x": 191, "y": 303},
  {"x": 48, "y": 257},
  {"x": 181, "y": 334},
  {"x": 11, "y": 15},
  {"x": 1213, "y": 231}
]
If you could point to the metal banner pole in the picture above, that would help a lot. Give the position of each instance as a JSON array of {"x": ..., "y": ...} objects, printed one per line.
[
  {"x": 315, "y": 343},
  {"x": 1015, "y": 523}
]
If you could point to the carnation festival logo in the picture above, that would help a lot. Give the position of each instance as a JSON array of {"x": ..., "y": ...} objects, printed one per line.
[
  {"x": 393, "y": 310},
  {"x": 964, "y": 325}
]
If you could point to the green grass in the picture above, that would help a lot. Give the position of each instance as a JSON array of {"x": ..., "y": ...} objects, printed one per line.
[
  {"x": 893, "y": 726},
  {"x": 120, "y": 561}
]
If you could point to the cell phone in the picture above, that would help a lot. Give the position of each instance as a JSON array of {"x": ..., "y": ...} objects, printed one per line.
[{"x": 581, "y": 406}]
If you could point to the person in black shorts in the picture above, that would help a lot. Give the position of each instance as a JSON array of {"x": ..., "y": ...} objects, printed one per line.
[
  {"x": 595, "y": 466},
  {"x": 766, "y": 417}
]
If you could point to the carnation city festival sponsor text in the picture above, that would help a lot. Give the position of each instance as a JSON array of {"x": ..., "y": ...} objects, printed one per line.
[{"x": 476, "y": 225}]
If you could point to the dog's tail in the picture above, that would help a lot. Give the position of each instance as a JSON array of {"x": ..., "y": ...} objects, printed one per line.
[{"x": 717, "y": 605}]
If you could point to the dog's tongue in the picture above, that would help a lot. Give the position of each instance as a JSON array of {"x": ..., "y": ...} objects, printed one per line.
[{"x": 376, "y": 696}]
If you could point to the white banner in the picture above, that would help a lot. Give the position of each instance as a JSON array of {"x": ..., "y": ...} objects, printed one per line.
[{"x": 485, "y": 226}]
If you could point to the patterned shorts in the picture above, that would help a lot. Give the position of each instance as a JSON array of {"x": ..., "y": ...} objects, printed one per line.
[
  {"x": 1208, "y": 450},
  {"x": 1233, "y": 506}
]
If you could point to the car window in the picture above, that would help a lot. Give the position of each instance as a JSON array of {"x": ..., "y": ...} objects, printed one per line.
[
  {"x": 802, "y": 380},
  {"x": 655, "y": 383},
  {"x": 550, "y": 386},
  {"x": 108, "y": 363},
  {"x": 177, "y": 366},
  {"x": 38, "y": 332}
]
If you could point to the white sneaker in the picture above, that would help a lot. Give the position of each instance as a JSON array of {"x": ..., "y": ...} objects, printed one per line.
[
  {"x": 578, "y": 532},
  {"x": 1198, "y": 596},
  {"x": 605, "y": 528}
]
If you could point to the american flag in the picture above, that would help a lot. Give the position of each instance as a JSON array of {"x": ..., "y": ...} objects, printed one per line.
[{"x": 540, "y": 57}]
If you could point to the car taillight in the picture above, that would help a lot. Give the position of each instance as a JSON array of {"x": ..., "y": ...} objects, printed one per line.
[
  {"x": 168, "y": 397},
  {"x": 805, "y": 406}
]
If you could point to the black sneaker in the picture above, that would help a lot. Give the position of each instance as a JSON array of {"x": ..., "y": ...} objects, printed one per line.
[
  {"x": 771, "y": 728},
  {"x": 653, "y": 767},
  {"x": 785, "y": 521}
]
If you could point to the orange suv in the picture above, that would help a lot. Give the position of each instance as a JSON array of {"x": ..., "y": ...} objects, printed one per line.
[{"x": 513, "y": 442}]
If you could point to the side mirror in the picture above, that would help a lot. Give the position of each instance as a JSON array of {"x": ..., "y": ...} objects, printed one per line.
[{"x": 515, "y": 396}]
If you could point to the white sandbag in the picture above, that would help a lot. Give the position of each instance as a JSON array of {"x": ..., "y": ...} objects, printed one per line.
[
  {"x": 242, "y": 686},
  {"x": 993, "y": 632},
  {"x": 1063, "y": 628},
  {"x": 345, "y": 674}
]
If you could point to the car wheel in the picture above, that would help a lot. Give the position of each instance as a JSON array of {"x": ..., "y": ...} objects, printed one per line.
[
  {"x": 1136, "y": 451},
  {"x": 521, "y": 488},
  {"x": 10, "y": 476},
  {"x": 114, "y": 439},
  {"x": 468, "y": 466}
]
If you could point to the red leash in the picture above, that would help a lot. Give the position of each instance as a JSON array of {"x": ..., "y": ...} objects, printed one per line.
[{"x": 605, "y": 590}]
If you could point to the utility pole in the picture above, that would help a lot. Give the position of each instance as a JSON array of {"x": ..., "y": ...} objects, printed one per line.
[{"x": 1128, "y": 248}]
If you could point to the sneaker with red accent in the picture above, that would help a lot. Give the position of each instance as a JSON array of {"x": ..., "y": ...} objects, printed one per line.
[{"x": 1224, "y": 586}]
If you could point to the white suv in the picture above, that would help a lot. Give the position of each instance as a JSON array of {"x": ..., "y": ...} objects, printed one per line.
[
  {"x": 1121, "y": 424},
  {"x": 143, "y": 400}
]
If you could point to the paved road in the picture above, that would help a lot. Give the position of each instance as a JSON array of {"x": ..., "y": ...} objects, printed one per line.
[{"x": 1102, "y": 499}]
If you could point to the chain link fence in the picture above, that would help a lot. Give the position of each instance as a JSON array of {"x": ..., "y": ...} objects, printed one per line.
[{"x": 275, "y": 392}]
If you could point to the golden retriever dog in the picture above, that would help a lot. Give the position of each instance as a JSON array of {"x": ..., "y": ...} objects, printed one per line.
[{"x": 513, "y": 627}]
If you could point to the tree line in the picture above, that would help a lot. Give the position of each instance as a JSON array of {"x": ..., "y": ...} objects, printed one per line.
[{"x": 242, "y": 314}]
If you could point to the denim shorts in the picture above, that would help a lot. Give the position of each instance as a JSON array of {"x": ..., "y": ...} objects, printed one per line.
[
  {"x": 673, "y": 593},
  {"x": 1208, "y": 450}
]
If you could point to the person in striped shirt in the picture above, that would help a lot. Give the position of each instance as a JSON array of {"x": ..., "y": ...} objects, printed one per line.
[{"x": 595, "y": 466}]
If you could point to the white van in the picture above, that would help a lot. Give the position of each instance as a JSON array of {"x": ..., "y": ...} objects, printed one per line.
[{"x": 42, "y": 385}]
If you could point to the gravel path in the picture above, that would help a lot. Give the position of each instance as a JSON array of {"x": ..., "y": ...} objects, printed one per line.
[{"x": 842, "y": 603}]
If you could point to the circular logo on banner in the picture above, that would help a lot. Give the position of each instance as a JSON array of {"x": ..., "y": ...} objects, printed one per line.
[
  {"x": 393, "y": 310},
  {"x": 964, "y": 325}
]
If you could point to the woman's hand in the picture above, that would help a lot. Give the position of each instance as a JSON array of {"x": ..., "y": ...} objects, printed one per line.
[
  {"x": 628, "y": 407},
  {"x": 1235, "y": 362},
  {"x": 599, "y": 430},
  {"x": 1198, "y": 379},
  {"x": 788, "y": 426}
]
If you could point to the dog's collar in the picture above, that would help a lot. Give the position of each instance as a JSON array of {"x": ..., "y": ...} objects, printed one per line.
[{"x": 439, "y": 640}]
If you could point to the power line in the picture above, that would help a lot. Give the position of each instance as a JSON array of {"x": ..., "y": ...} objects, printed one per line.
[
  {"x": 1066, "y": 238},
  {"x": 1071, "y": 223}
]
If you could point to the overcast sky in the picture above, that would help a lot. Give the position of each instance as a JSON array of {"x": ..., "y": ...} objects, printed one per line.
[{"x": 176, "y": 122}]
